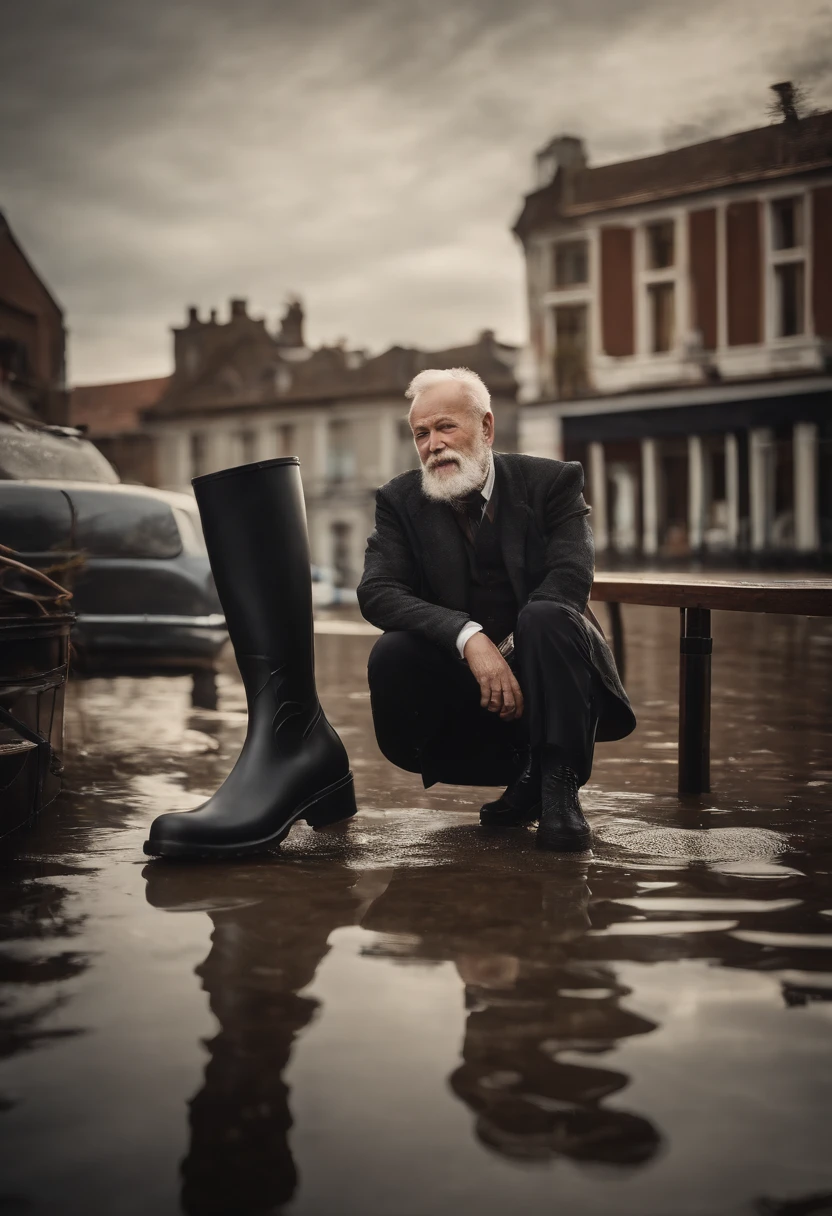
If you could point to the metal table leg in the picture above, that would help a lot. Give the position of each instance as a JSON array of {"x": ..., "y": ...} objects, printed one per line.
[{"x": 695, "y": 647}]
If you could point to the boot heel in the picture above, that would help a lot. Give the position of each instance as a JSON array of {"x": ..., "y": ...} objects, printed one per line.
[{"x": 333, "y": 805}]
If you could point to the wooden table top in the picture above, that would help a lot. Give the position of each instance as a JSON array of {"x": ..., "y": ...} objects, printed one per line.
[{"x": 805, "y": 597}]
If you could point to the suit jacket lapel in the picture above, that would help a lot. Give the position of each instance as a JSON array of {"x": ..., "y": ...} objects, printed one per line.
[{"x": 514, "y": 512}]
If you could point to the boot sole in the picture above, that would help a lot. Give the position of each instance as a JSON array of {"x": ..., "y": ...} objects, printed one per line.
[
  {"x": 331, "y": 805},
  {"x": 565, "y": 844},
  {"x": 502, "y": 822}
]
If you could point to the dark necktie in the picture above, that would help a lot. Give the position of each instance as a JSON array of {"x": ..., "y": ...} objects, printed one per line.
[{"x": 475, "y": 504}]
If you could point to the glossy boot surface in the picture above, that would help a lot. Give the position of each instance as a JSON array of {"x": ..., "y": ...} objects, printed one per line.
[
  {"x": 293, "y": 765},
  {"x": 562, "y": 826},
  {"x": 520, "y": 804}
]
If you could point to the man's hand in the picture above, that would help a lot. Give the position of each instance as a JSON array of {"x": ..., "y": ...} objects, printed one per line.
[{"x": 499, "y": 691}]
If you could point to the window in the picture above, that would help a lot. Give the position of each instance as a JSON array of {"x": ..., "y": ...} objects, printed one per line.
[
  {"x": 190, "y": 529},
  {"x": 571, "y": 264},
  {"x": 787, "y": 223},
  {"x": 112, "y": 523},
  {"x": 199, "y": 454},
  {"x": 340, "y": 456},
  {"x": 788, "y": 298},
  {"x": 787, "y": 282},
  {"x": 35, "y": 519},
  {"x": 285, "y": 439},
  {"x": 662, "y": 316},
  {"x": 570, "y": 350},
  {"x": 248, "y": 446},
  {"x": 408, "y": 457},
  {"x": 341, "y": 546},
  {"x": 38, "y": 454},
  {"x": 661, "y": 251}
]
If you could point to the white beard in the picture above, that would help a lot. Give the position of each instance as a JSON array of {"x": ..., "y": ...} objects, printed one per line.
[{"x": 470, "y": 474}]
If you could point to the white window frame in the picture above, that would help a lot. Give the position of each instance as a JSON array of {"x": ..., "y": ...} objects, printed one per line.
[
  {"x": 779, "y": 257},
  {"x": 677, "y": 275},
  {"x": 555, "y": 297}
]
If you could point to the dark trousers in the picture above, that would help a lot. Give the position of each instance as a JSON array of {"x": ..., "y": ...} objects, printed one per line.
[{"x": 426, "y": 703}]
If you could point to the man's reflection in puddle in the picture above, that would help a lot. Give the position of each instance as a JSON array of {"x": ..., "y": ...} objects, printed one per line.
[
  {"x": 530, "y": 1005},
  {"x": 268, "y": 940}
]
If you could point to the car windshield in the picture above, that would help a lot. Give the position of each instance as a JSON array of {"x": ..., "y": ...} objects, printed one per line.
[{"x": 45, "y": 456}]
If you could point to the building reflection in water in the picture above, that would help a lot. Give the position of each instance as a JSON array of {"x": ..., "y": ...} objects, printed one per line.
[{"x": 530, "y": 1005}]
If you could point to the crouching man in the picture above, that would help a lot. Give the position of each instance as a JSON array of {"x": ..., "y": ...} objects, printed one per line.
[{"x": 491, "y": 669}]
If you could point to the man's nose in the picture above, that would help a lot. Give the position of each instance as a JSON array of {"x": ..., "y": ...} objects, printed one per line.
[{"x": 436, "y": 442}]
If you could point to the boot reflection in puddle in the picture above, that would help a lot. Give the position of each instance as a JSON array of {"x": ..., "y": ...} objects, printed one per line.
[
  {"x": 531, "y": 999},
  {"x": 262, "y": 956}
]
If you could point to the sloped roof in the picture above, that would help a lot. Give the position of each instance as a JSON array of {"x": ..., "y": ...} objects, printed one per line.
[
  {"x": 779, "y": 150},
  {"x": 328, "y": 374},
  {"x": 114, "y": 409}
]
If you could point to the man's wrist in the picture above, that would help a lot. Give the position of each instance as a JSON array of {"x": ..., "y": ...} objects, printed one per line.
[{"x": 467, "y": 631}]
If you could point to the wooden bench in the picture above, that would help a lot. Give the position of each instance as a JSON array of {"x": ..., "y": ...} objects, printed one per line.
[{"x": 696, "y": 596}]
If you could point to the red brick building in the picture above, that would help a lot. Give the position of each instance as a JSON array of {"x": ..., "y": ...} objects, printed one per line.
[
  {"x": 32, "y": 338},
  {"x": 680, "y": 311},
  {"x": 112, "y": 417}
]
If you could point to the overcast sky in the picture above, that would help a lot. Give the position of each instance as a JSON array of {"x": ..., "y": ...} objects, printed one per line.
[{"x": 370, "y": 155}]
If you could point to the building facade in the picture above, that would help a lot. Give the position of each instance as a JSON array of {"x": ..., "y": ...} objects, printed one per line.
[
  {"x": 111, "y": 415},
  {"x": 241, "y": 393},
  {"x": 680, "y": 342},
  {"x": 32, "y": 339}
]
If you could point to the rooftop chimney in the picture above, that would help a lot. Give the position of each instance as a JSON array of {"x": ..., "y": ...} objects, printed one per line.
[
  {"x": 193, "y": 316},
  {"x": 786, "y": 100},
  {"x": 213, "y": 316},
  {"x": 566, "y": 152},
  {"x": 238, "y": 309},
  {"x": 291, "y": 325}
]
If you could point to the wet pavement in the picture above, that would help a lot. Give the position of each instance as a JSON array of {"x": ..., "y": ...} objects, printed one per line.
[{"x": 406, "y": 1016}]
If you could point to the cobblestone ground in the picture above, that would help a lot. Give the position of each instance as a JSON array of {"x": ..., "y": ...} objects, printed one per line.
[{"x": 405, "y": 1016}]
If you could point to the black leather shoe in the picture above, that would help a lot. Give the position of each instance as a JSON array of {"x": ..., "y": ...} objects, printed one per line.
[
  {"x": 562, "y": 825},
  {"x": 520, "y": 804}
]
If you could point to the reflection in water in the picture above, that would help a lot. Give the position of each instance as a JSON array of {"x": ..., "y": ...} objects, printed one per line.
[
  {"x": 530, "y": 1003},
  {"x": 35, "y": 958},
  {"x": 266, "y": 945},
  {"x": 710, "y": 920}
]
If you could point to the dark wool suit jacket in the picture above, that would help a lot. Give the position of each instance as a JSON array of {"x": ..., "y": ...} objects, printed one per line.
[{"x": 416, "y": 572}]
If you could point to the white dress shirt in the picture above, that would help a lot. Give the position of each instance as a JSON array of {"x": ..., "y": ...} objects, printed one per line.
[{"x": 467, "y": 631}]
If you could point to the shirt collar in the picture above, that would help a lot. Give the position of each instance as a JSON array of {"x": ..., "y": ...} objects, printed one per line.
[{"x": 488, "y": 488}]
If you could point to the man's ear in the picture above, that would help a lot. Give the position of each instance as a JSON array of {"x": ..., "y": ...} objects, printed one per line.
[{"x": 488, "y": 425}]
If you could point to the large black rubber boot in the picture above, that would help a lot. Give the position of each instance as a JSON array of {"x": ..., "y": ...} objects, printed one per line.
[{"x": 293, "y": 765}]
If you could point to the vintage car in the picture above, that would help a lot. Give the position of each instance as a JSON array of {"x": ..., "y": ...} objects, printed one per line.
[{"x": 133, "y": 557}]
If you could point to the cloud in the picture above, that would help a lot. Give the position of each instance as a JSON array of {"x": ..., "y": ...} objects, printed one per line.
[{"x": 369, "y": 155}]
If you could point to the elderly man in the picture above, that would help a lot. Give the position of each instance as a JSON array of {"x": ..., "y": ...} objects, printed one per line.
[{"x": 491, "y": 669}]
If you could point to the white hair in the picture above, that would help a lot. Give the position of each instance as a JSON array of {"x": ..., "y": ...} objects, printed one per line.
[{"x": 476, "y": 394}]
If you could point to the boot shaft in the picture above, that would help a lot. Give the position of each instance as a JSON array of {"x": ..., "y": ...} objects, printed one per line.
[{"x": 254, "y": 521}]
